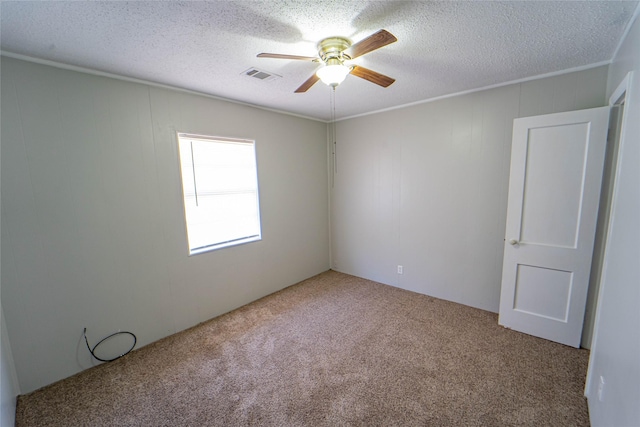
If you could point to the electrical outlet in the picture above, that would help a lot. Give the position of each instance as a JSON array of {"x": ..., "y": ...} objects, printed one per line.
[
  {"x": 601, "y": 389},
  {"x": 400, "y": 269}
]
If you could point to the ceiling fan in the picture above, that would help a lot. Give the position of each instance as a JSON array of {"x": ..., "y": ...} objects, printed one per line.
[{"x": 333, "y": 52}]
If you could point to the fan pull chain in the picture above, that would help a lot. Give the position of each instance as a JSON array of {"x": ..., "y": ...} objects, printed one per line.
[{"x": 333, "y": 130}]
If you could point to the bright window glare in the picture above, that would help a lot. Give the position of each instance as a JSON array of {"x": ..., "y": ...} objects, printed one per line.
[{"x": 220, "y": 190}]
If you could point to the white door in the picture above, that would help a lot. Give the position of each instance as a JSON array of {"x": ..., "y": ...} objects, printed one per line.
[{"x": 554, "y": 190}]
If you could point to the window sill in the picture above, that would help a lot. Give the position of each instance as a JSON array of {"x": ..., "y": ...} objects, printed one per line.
[{"x": 215, "y": 247}]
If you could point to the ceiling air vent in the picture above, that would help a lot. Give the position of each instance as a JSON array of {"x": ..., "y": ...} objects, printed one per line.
[{"x": 260, "y": 74}]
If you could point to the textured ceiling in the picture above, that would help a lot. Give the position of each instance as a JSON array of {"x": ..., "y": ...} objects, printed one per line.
[{"x": 442, "y": 48}]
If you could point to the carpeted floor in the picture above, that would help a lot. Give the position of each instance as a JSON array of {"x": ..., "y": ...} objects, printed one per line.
[{"x": 334, "y": 350}]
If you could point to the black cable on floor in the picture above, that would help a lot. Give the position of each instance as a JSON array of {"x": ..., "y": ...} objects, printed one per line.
[{"x": 92, "y": 350}]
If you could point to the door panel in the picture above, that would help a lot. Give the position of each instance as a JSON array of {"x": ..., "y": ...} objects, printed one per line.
[
  {"x": 554, "y": 187},
  {"x": 550, "y": 214},
  {"x": 543, "y": 291}
]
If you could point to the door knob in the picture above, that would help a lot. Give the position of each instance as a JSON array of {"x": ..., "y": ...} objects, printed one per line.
[{"x": 513, "y": 242}]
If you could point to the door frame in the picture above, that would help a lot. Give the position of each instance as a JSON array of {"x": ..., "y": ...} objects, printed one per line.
[{"x": 618, "y": 97}]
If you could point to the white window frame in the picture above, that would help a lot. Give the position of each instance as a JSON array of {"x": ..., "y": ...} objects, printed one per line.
[{"x": 190, "y": 195}]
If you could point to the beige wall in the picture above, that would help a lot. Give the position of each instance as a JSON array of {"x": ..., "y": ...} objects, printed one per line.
[
  {"x": 425, "y": 186},
  {"x": 93, "y": 232}
]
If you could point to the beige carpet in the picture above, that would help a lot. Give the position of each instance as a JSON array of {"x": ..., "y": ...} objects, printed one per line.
[{"x": 334, "y": 350}]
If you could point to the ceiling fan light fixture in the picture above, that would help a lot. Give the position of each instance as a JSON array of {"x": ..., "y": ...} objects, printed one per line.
[
  {"x": 333, "y": 74},
  {"x": 333, "y": 52}
]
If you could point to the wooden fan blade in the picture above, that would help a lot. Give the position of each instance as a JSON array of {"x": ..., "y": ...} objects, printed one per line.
[
  {"x": 281, "y": 56},
  {"x": 372, "y": 76},
  {"x": 371, "y": 43},
  {"x": 306, "y": 85}
]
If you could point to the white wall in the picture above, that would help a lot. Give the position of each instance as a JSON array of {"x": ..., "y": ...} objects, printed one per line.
[
  {"x": 426, "y": 186},
  {"x": 615, "y": 354},
  {"x": 8, "y": 380},
  {"x": 91, "y": 206}
]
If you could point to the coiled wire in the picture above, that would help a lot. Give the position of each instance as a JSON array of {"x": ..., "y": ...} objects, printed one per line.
[{"x": 92, "y": 350}]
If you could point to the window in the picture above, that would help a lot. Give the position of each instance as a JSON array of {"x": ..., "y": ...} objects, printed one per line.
[{"x": 220, "y": 191}]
